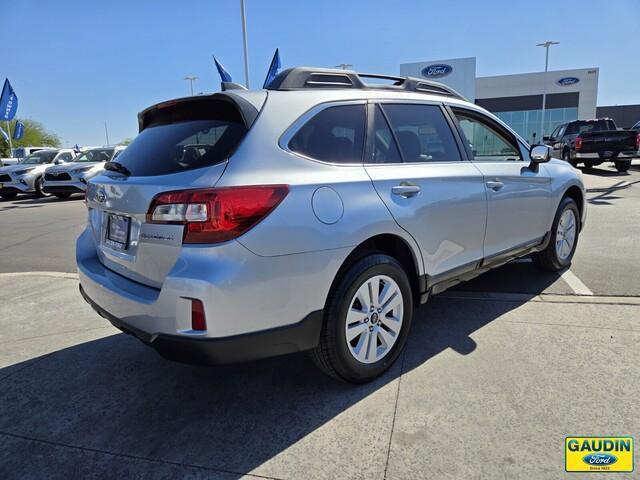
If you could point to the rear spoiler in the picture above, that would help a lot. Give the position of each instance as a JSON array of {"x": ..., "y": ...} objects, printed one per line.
[{"x": 247, "y": 111}]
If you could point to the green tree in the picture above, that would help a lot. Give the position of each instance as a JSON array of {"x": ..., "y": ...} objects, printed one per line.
[
  {"x": 126, "y": 141},
  {"x": 34, "y": 135}
]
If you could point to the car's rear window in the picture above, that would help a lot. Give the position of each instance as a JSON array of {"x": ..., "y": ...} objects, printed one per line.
[
  {"x": 590, "y": 126},
  {"x": 184, "y": 139}
]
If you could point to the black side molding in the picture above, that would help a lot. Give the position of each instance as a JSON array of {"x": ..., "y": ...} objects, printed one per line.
[{"x": 443, "y": 281}]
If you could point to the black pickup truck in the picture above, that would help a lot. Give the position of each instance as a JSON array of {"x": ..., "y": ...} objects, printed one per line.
[{"x": 593, "y": 142}]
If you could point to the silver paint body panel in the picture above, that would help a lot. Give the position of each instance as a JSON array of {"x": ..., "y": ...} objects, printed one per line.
[{"x": 282, "y": 269}]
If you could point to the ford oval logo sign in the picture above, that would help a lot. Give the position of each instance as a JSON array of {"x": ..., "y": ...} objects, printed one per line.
[
  {"x": 600, "y": 459},
  {"x": 566, "y": 81},
  {"x": 437, "y": 70}
]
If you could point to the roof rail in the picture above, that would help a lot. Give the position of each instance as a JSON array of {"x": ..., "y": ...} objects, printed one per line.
[{"x": 308, "y": 77}]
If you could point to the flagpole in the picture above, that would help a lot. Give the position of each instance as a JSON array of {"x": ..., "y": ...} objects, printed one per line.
[
  {"x": 10, "y": 144},
  {"x": 244, "y": 43}
]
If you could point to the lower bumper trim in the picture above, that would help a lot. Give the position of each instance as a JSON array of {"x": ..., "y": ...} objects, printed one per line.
[
  {"x": 298, "y": 337},
  {"x": 11, "y": 190},
  {"x": 61, "y": 189}
]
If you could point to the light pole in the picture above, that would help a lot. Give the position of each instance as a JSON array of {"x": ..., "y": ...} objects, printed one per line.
[
  {"x": 344, "y": 66},
  {"x": 244, "y": 42},
  {"x": 191, "y": 80},
  {"x": 546, "y": 46}
]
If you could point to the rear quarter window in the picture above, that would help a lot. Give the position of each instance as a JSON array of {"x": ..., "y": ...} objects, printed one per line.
[
  {"x": 334, "y": 135},
  {"x": 185, "y": 138}
]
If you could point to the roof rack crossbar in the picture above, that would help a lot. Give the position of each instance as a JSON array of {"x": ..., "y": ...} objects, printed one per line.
[{"x": 307, "y": 77}]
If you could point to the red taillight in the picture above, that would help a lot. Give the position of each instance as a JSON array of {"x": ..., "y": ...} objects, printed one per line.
[
  {"x": 216, "y": 214},
  {"x": 578, "y": 143},
  {"x": 198, "y": 322},
  {"x": 638, "y": 141}
]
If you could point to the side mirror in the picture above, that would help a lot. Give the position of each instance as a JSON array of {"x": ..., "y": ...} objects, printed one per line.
[
  {"x": 547, "y": 139},
  {"x": 540, "y": 154}
]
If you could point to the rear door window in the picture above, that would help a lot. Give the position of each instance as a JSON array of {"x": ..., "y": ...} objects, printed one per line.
[
  {"x": 383, "y": 145},
  {"x": 422, "y": 133},
  {"x": 185, "y": 138},
  {"x": 334, "y": 135}
]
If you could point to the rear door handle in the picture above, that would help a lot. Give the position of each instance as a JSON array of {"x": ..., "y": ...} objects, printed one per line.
[
  {"x": 405, "y": 190},
  {"x": 495, "y": 185}
]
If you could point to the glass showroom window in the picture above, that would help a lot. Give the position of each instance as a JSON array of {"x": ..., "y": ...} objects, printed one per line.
[{"x": 527, "y": 122}]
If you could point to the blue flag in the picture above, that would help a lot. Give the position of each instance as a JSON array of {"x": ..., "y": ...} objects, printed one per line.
[
  {"x": 18, "y": 131},
  {"x": 4, "y": 135},
  {"x": 274, "y": 68},
  {"x": 8, "y": 102},
  {"x": 224, "y": 75}
]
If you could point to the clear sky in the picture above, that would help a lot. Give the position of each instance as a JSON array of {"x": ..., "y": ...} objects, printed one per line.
[{"x": 76, "y": 64}]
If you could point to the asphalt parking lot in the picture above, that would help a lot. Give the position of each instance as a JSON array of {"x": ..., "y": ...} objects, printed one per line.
[{"x": 496, "y": 373}]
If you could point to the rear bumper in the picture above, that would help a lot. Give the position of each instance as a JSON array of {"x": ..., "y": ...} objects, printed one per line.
[
  {"x": 216, "y": 351},
  {"x": 254, "y": 306},
  {"x": 596, "y": 156}
]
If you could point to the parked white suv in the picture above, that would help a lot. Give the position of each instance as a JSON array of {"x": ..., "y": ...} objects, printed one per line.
[
  {"x": 27, "y": 175},
  {"x": 314, "y": 215},
  {"x": 65, "y": 180}
]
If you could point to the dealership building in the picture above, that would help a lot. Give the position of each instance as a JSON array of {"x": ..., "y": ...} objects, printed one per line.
[{"x": 517, "y": 99}]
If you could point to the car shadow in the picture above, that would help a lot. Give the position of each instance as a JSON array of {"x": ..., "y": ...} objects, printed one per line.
[
  {"x": 115, "y": 395},
  {"x": 44, "y": 200},
  {"x": 603, "y": 171}
]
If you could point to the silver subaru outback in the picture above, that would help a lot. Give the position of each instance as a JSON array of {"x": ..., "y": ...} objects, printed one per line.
[{"x": 315, "y": 214}]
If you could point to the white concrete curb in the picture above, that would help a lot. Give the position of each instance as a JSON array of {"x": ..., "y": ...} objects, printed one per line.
[{"x": 73, "y": 276}]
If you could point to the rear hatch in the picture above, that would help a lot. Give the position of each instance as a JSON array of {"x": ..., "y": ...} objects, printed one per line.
[
  {"x": 183, "y": 144},
  {"x": 608, "y": 142}
]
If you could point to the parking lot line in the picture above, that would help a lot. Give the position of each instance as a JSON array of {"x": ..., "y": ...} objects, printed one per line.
[{"x": 575, "y": 283}]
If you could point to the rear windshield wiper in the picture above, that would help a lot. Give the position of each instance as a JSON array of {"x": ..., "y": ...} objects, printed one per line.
[{"x": 117, "y": 167}]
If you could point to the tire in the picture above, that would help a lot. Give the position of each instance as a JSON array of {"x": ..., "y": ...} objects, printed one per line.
[
  {"x": 550, "y": 259},
  {"x": 623, "y": 165},
  {"x": 62, "y": 196},
  {"x": 9, "y": 196},
  {"x": 566, "y": 156},
  {"x": 39, "y": 191},
  {"x": 334, "y": 355}
]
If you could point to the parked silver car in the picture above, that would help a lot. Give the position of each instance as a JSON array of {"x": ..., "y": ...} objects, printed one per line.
[
  {"x": 70, "y": 178},
  {"x": 314, "y": 215},
  {"x": 26, "y": 176}
]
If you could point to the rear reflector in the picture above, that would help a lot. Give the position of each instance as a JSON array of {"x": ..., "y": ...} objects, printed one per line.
[
  {"x": 198, "y": 322},
  {"x": 216, "y": 215}
]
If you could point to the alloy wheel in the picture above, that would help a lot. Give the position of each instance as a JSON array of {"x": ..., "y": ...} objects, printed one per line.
[
  {"x": 566, "y": 234},
  {"x": 374, "y": 319}
]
